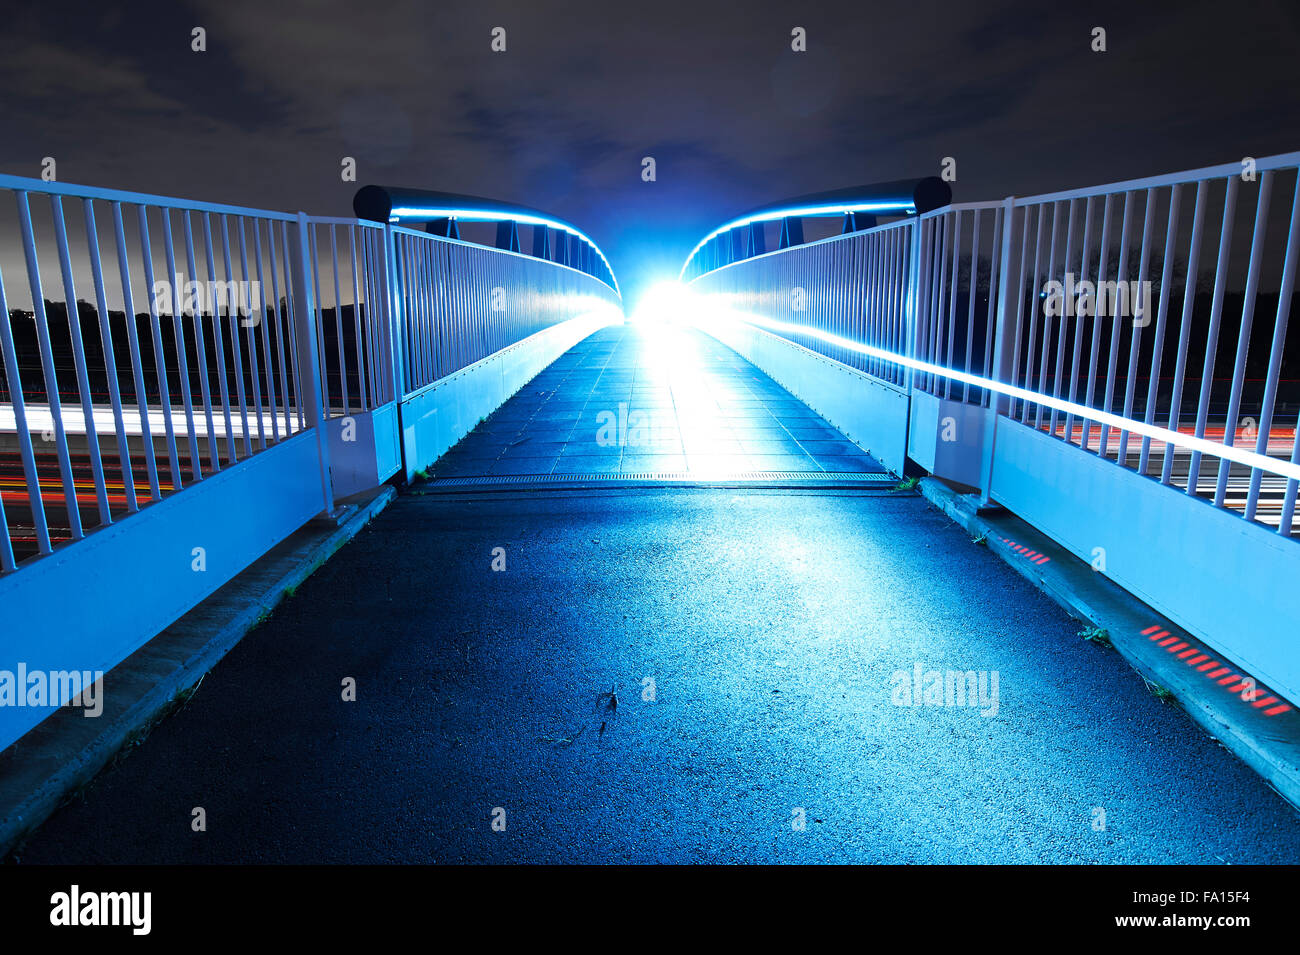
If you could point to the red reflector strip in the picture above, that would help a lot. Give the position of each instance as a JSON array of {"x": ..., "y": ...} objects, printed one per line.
[
  {"x": 1206, "y": 666},
  {"x": 1267, "y": 701},
  {"x": 1276, "y": 710},
  {"x": 1151, "y": 629},
  {"x": 1187, "y": 653},
  {"x": 1229, "y": 679},
  {"x": 1042, "y": 560},
  {"x": 1218, "y": 673},
  {"x": 1160, "y": 635},
  {"x": 1174, "y": 648},
  {"x": 1197, "y": 659},
  {"x": 1168, "y": 640}
]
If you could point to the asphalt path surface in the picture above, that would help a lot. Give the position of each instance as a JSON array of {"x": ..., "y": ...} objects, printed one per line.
[{"x": 774, "y": 626}]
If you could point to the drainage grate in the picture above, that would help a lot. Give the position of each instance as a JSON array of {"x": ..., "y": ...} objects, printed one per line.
[{"x": 693, "y": 477}]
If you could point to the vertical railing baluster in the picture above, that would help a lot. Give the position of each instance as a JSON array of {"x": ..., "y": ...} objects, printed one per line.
[
  {"x": 1243, "y": 337},
  {"x": 365, "y": 387},
  {"x": 1158, "y": 333},
  {"x": 995, "y": 288},
  {"x": 1084, "y": 255},
  {"x": 932, "y": 383},
  {"x": 219, "y": 344},
  {"x": 394, "y": 317},
  {"x": 236, "y": 347},
  {"x": 17, "y": 399},
  {"x": 268, "y": 368},
  {"x": 79, "y": 362},
  {"x": 1135, "y": 340},
  {"x": 338, "y": 321},
  {"x": 1277, "y": 349},
  {"x": 110, "y": 356},
  {"x": 290, "y": 296},
  {"x": 972, "y": 286},
  {"x": 178, "y": 331},
  {"x": 245, "y": 320},
  {"x": 1063, "y": 325},
  {"x": 951, "y": 326},
  {"x": 1121, "y": 276},
  {"x": 1185, "y": 328},
  {"x": 159, "y": 355},
  {"x": 1048, "y": 327},
  {"x": 1212, "y": 336},
  {"x": 137, "y": 359},
  {"x": 281, "y": 319},
  {"x": 302, "y": 267},
  {"x": 1006, "y": 336},
  {"x": 201, "y": 348},
  {"x": 327, "y": 392},
  {"x": 1032, "y": 338}
]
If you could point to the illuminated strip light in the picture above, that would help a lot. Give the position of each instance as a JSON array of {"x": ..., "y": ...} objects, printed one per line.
[
  {"x": 826, "y": 209},
  {"x": 1250, "y": 459},
  {"x": 1234, "y": 682},
  {"x": 40, "y": 419},
  {"x": 478, "y": 215}
]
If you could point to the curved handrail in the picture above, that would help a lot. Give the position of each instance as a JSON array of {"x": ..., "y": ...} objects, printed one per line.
[
  {"x": 399, "y": 205},
  {"x": 900, "y": 197}
]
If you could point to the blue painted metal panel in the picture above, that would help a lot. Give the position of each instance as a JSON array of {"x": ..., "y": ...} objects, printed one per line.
[
  {"x": 1217, "y": 575},
  {"x": 364, "y": 449},
  {"x": 946, "y": 437},
  {"x": 91, "y": 604}
]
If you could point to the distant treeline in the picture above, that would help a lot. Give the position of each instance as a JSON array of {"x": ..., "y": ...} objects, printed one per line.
[{"x": 278, "y": 337}]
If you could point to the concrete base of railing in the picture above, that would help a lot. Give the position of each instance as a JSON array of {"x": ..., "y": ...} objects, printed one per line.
[
  {"x": 435, "y": 417},
  {"x": 870, "y": 412}
]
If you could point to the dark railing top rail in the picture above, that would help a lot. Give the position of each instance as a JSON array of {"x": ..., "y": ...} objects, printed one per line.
[
  {"x": 440, "y": 212},
  {"x": 741, "y": 237}
]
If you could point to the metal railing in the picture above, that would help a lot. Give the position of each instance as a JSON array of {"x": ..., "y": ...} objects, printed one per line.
[
  {"x": 957, "y": 295},
  {"x": 809, "y": 292},
  {"x": 443, "y": 213},
  {"x": 1179, "y": 244},
  {"x": 857, "y": 208},
  {"x": 461, "y": 302},
  {"x": 995, "y": 312},
  {"x": 176, "y": 369},
  {"x": 352, "y": 314},
  {"x": 215, "y": 332}
]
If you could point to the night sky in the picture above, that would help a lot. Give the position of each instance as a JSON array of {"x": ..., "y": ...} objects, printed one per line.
[{"x": 563, "y": 118}]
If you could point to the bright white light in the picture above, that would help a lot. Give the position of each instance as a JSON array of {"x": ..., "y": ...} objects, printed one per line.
[{"x": 668, "y": 301}]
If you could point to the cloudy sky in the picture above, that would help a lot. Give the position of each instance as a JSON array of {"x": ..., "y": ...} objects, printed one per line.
[{"x": 563, "y": 118}]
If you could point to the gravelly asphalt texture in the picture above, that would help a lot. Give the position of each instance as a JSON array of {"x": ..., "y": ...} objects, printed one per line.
[{"x": 771, "y": 623}]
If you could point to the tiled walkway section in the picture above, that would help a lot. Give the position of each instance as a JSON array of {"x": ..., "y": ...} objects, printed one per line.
[{"x": 638, "y": 399}]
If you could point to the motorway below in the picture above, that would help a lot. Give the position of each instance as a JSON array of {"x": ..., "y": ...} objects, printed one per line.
[{"x": 774, "y": 624}]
